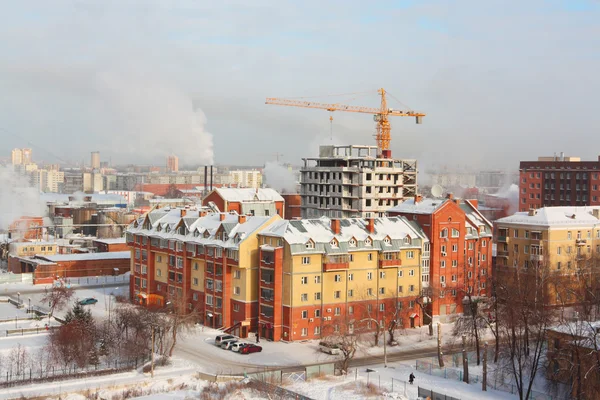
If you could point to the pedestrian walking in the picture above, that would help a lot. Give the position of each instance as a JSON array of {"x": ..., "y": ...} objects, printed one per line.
[
  {"x": 411, "y": 378},
  {"x": 257, "y": 337}
]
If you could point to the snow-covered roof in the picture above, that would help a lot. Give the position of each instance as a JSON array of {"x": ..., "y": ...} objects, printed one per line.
[
  {"x": 554, "y": 217},
  {"x": 120, "y": 240},
  {"x": 165, "y": 224},
  {"x": 354, "y": 234},
  {"x": 248, "y": 195},
  {"x": 115, "y": 255},
  {"x": 476, "y": 219},
  {"x": 102, "y": 198},
  {"x": 424, "y": 206}
]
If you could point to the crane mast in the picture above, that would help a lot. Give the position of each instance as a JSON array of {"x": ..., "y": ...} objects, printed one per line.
[{"x": 380, "y": 115}]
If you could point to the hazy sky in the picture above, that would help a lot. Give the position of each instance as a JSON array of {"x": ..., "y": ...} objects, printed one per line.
[{"x": 500, "y": 80}]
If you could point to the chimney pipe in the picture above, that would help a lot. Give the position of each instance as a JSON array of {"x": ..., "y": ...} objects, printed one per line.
[
  {"x": 241, "y": 219},
  {"x": 205, "y": 179},
  {"x": 450, "y": 196},
  {"x": 211, "y": 178},
  {"x": 222, "y": 216},
  {"x": 371, "y": 225},
  {"x": 335, "y": 226}
]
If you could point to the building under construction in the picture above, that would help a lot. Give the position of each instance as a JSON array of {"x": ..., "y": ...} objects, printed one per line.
[{"x": 353, "y": 181}]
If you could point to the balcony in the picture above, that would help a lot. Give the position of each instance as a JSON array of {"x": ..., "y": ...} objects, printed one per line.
[
  {"x": 333, "y": 263},
  {"x": 390, "y": 263},
  {"x": 580, "y": 242},
  {"x": 502, "y": 253},
  {"x": 536, "y": 257},
  {"x": 502, "y": 239}
]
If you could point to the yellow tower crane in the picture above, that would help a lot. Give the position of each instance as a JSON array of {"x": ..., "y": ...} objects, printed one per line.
[{"x": 380, "y": 115}]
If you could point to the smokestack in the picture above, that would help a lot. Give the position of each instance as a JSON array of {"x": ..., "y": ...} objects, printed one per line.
[
  {"x": 211, "y": 178},
  {"x": 205, "y": 179}
]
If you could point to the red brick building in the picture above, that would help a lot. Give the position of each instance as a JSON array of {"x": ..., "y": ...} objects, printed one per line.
[
  {"x": 29, "y": 228},
  {"x": 259, "y": 202},
  {"x": 461, "y": 249},
  {"x": 293, "y": 205},
  {"x": 558, "y": 181},
  {"x": 110, "y": 245}
]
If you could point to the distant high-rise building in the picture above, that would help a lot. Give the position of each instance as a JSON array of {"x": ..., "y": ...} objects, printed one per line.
[
  {"x": 21, "y": 156},
  {"x": 558, "y": 181},
  {"x": 172, "y": 164},
  {"x": 246, "y": 178},
  {"x": 95, "y": 160}
]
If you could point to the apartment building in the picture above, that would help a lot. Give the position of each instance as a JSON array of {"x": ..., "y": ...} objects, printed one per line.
[
  {"x": 246, "y": 178},
  {"x": 172, "y": 164},
  {"x": 208, "y": 262},
  {"x": 558, "y": 181},
  {"x": 323, "y": 276},
  {"x": 21, "y": 157},
  {"x": 351, "y": 181},
  {"x": 93, "y": 182},
  {"x": 561, "y": 243},
  {"x": 261, "y": 202},
  {"x": 460, "y": 240}
]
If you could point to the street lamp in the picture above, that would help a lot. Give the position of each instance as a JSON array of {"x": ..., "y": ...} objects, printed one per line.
[
  {"x": 30, "y": 304},
  {"x": 18, "y": 299}
]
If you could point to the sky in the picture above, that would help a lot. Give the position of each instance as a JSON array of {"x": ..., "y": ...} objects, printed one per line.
[{"x": 500, "y": 81}]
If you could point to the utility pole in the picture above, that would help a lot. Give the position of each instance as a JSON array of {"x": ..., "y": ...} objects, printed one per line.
[
  {"x": 484, "y": 381},
  {"x": 152, "y": 355},
  {"x": 465, "y": 359},
  {"x": 439, "y": 345}
]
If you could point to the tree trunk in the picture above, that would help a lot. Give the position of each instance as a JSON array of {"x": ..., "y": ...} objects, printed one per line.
[{"x": 440, "y": 355}]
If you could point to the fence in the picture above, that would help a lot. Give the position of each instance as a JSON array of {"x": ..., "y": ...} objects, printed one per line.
[
  {"x": 426, "y": 393},
  {"x": 493, "y": 381},
  {"x": 15, "y": 278},
  {"x": 97, "y": 280},
  {"x": 17, "y": 374}
]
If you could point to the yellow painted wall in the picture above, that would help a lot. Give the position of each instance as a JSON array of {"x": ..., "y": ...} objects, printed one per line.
[
  {"x": 162, "y": 266},
  {"x": 197, "y": 274}
]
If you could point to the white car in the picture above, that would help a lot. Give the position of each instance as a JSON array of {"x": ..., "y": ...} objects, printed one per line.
[
  {"x": 219, "y": 339},
  {"x": 237, "y": 346},
  {"x": 329, "y": 348},
  {"x": 226, "y": 344}
]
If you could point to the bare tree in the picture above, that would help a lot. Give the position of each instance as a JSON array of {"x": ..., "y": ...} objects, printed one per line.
[
  {"x": 342, "y": 334},
  {"x": 57, "y": 297},
  {"x": 179, "y": 318}
]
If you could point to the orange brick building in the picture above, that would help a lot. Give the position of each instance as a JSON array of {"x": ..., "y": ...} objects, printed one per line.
[
  {"x": 293, "y": 205},
  {"x": 461, "y": 249},
  {"x": 259, "y": 202},
  {"x": 29, "y": 228}
]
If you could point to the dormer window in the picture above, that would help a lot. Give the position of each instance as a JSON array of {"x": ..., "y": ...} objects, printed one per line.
[
  {"x": 310, "y": 244},
  {"x": 206, "y": 234},
  {"x": 352, "y": 242},
  {"x": 167, "y": 229},
  {"x": 482, "y": 229},
  {"x": 387, "y": 241},
  {"x": 333, "y": 243},
  {"x": 196, "y": 233},
  {"x": 407, "y": 240},
  {"x": 182, "y": 230},
  {"x": 159, "y": 228},
  {"x": 368, "y": 242}
]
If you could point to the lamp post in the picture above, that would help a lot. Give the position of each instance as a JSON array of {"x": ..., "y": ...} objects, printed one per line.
[
  {"x": 30, "y": 304},
  {"x": 18, "y": 299}
]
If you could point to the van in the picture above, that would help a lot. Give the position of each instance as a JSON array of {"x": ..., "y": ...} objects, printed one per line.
[
  {"x": 329, "y": 348},
  {"x": 219, "y": 339}
]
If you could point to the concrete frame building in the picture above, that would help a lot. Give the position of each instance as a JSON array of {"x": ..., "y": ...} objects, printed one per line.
[
  {"x": 351, "y": 181},
  {"x": 558, "y": 181}
]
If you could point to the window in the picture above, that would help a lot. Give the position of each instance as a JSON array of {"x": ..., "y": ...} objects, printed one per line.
[
  {"x": 195, "y": 282},
  {"x": 470, "y": 274},
  {"x": 317, "y": 278},
  {"x": 369, "y": 292},
  {"x": 337, "y": 311},
  {"x": 236, "y": 307},
  {"x": 411, "y": 272},
  {"x": 516, "y": 233},
  {"x": 453, "y": 292},
  {"x": 400, "y": 289},
  {"x": 310, "y": 244},
  {"x": 369, "y": 276},
  {"x": 454, "y": 263},
  {"x": 334, "y": 243},
  {"x": 368, "y": 242},
  {"x": 382, "y": 290},
  {"x": 381, "y": 307},
  {"x": 317, "y": 330},
  {"x": 569, "y": 235},
  {"x": 317, "y": 295},
  {"x": 443, "y": 249},
  {"x": 410, "y": 255},
  {"x": 304, "y": 332},
  {"x": 453, "y": 278},
  {"x": 381, "y": 274},
  {"x": 304, "y": 297},
  {"x": 351, "y": 277},
  {"x": 337, "y": 278},
  {"x": 159, "y": 272},
  {"x": 411, "y": 288},
  {"x": 443, "y": 264},
  {"x": 337, "y": 294},
  {"x": 317, "y": 313},
  {"x": 370, "y": 257},
  {"x": 195, "y": 296},
  {"x": 305, "y": 260},
  {"x": 350, "y": 293},
  {"x": 444, "y": 233},
  {"x": 455, "y": 233},
  {"x": 237, "y": 274},
  {"x": 454, "y": 248},
  {"x": 483, "y": 243},
  {"x": 411, "y": 304},
  {"x": 352, "y": 242},
  {"x": 209, "y": 299},
  {"x": 558, "y": 265},
  {"x": 304, "y": 280},
  {"x": 304, "y": 314},
  {"x": 442, "y": 279},
  {"x": 236, "y": 290}
]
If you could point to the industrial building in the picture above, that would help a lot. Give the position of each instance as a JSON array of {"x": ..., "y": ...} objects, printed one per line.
[
  {"x": 260, "y": 202},
  {"x": 558, "y": 181},
  {"x": 353, "y": 181}
]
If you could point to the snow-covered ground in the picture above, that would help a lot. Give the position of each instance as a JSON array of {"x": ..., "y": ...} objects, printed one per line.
[{"x": 8, "y": 310}]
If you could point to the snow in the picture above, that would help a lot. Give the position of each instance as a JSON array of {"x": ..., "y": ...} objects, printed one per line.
[
  {"x": 553, "y": 216},
  {"x": 113, "y": 255},
  {"x": 248, "y": 195},
  {"x": 111, "y": 240},
  {"x": 423, "y": 206}
]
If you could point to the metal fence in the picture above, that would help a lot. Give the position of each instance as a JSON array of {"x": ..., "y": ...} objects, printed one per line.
[
  {"x": 15, "y": 374},
  {"x": 427, "y": 393},
  {"x": 433, "y": 369},
  {"x": 9, "y": 277},
  {"x": 97, "y": 280}
]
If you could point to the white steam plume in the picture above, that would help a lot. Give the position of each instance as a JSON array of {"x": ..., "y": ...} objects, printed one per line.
[
  {"x": 279, "y": 178},
  {"x": 18, "y": 198}
]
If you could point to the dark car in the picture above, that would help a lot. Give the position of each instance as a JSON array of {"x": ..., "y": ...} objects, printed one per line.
[
  {"x": 250, "y": 348},
  {"x": 88, "y": 301}
]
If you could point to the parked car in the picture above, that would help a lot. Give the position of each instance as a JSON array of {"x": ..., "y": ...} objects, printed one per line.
[
  {"x": 87, "y": 301},
  {"x": 237, "y": 347},
  {"x": 220, "y": 338},
  {"x": 226, "y": 344},
  {"x": 251, "y": 348},
  {"x": 329, "y": 348}
]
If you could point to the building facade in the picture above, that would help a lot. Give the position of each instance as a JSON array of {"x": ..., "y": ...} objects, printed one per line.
[
  {"x": 172, "y": 163},
  {"x": 558, "y": 244},
  {"x": 325, "y": 276},
  {"x": 246, "y": 178},
  {"x": 259, "y": 202},
  {"x": 95, "y": 160},
  {"x": 21, "y": 157},
  {"x": 558, "y": 181},
  {"x": 350, "y": 181},
  {"x": 460, "y": 240}
]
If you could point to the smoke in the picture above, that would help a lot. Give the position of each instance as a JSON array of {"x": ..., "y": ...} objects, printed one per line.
[
  {"x": 279, "y": 178},
  {"x": 154, "y": 116},
  {"x": 18, "y": 198}
]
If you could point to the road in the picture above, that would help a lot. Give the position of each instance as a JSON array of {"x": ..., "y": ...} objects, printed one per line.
[{"x": 7, "y": 291}]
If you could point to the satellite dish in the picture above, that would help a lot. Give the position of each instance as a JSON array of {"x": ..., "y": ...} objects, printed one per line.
[{"x": 436, "y": 191}]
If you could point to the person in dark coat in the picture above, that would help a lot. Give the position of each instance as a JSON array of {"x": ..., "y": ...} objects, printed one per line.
[
  {"x": 257, "y": 337},
  {"x": 411, "y": 378}
]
